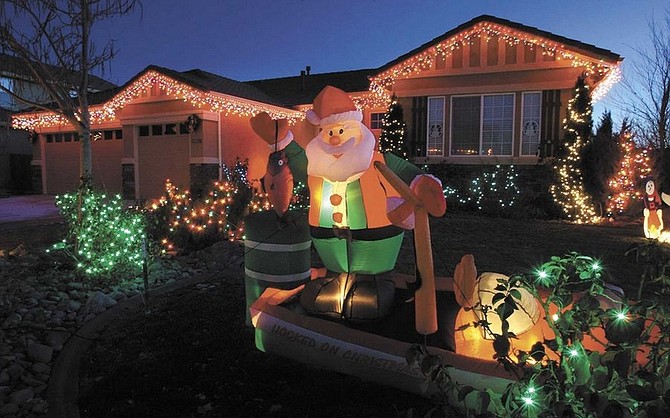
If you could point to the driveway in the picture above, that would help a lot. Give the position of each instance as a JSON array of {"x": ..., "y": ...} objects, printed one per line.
[{"x": 28, "y": 208}]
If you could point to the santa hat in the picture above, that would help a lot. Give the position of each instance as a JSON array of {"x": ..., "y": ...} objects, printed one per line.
[
  {"x": 270, "y": 130},
  {"x": 333, "y": 105}
]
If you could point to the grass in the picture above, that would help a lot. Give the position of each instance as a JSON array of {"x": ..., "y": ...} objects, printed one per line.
[{"x": 191, "y": 355}]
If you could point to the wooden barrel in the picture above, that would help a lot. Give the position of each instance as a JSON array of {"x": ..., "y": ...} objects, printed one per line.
[{"x": 276, "y": 253}]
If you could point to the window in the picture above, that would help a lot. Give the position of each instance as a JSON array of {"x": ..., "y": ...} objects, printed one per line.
[
  {"x": 497, "y": 124},
  {"x": 465, "y": 115},
  {"x": 376, "y": 120},
  {"x": 118, "y": 134},
  {"x": 108, "y": 135},
  {"x": 5, "y": 99},
  {"x": 482, "y": 125},
  {"x": 67, "y": 137},
  {"x": 435, "y": 143},
  {"x": 50, "y": 138},
  {"x": 158, "y": 130},
  {"x": 530, "y": 122}
]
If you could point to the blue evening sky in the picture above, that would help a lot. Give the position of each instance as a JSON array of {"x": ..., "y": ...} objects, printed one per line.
[{"x": 256, "y": 39}]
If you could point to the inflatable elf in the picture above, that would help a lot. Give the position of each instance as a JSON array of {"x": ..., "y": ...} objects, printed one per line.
[{"x": 356, "y": 217}]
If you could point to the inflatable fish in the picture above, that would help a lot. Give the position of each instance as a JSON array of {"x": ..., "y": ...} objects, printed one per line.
[{"x": 278, "y": 182}]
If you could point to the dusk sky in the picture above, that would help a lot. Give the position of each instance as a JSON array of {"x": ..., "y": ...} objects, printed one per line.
[{"x": 257, "y": 39}]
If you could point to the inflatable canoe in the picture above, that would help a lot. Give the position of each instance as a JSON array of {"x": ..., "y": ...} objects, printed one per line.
[{"x": 376, "y": 351}]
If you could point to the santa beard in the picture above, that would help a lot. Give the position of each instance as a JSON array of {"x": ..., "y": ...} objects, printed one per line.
[{"x": 351, "y": 164}]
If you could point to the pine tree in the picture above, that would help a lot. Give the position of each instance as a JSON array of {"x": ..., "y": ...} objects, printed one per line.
[
  {"x": 600, "y": 160},
  {"x": 568, "y": 188},
  {"x": 634, "y": 165},
  {"x": 392, "y": 137}
]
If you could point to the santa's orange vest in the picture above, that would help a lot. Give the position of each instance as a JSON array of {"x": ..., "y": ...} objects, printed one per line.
[{"x": 374, "y": 190}]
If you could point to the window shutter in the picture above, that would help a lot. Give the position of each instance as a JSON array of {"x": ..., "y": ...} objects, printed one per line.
[
  {"x": 417, "y": 146},
  {"x": 551, "y": 122}
]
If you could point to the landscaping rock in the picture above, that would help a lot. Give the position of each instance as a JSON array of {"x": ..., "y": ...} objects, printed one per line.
[
  {"x": 98, "y": 302},
  {"x": 56, "y": 339},
  {"x": 9, "y": 409},
  {"x": 21, "y": 396},
  {"x": 40, "y": 352}
]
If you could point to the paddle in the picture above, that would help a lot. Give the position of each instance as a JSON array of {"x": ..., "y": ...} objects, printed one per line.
[{"x": 424, "y": 297}]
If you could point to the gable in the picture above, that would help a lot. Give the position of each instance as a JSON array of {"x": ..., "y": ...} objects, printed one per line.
[{"x": 489, "y": 44}]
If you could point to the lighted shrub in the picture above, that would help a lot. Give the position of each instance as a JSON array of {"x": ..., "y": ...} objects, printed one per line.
[
  {"x": 182, "y": 222},
  {"x": 494, "y": 192},
  {"x": 105, "y": 237}
]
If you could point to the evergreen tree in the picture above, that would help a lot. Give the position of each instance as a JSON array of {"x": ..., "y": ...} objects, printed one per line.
[
  {"x": 392, "y": 137},
  {"x": 634, "y": 164},
  {"x": 600, "y": 160},
  {"x": 568, "y": 188}
]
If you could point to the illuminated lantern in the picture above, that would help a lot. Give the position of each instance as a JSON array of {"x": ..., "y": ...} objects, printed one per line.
[{"x": 653, "y": 215}]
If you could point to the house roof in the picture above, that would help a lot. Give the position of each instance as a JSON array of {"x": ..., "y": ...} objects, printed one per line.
[
  {"x": 584, "y": 48},
  {"x": 303, "y": 89},
  {"x": 198, "y": 79},
  {"x": 13, "y": 67}
]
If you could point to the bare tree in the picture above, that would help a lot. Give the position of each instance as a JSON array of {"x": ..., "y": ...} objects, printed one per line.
[
  {"x": 648, "y": 88},
  {"x": 51, "y": 42}
]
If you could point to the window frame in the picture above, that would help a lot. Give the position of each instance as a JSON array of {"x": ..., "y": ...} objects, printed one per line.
[
  {"x": 379, "y": 121},
  {"x": 444, "y": 115},
  {"x": 523, "y": 120},
  {"x": 480, "y": 151}
]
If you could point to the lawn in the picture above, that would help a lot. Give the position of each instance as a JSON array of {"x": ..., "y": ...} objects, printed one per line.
[{"x": 192, "y": 355}]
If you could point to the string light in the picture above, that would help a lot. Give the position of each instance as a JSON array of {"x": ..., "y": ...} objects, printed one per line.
[
  {"x": 109, "y": 237},
  {"x": 213, "y": 101},
  {"x": 493, "y": 190},
  {"x": 568, "y": 192},
  {"x": 392, "y": 137},
  {"x": 607, "y": 73},
  {"x": 635, "y": 164},
  {"x": 218, "y": 214}
]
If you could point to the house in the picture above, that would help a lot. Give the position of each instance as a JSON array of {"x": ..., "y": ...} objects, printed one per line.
[
  {"x": 15, "y": 145},
  {"x": 490, "y": 91}
]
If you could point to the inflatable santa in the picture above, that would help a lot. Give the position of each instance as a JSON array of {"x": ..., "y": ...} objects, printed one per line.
[{"x": 356, "y": 217}]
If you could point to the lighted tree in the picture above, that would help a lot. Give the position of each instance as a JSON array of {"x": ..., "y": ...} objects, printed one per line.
[
  {"x": 568, "y": 189},
  {"x": 634, "y": 165},
  {"x": 392, "y": 137}
]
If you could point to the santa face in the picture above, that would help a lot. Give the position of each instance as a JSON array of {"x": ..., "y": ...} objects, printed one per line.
[{"x": 341, "y": 151}]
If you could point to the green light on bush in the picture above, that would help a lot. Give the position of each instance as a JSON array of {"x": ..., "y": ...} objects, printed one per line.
[
  {"x": 108, "y": 236},
  {"x": 621, "y": 315}
]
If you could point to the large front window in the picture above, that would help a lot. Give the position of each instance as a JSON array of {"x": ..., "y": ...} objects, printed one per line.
[
  {"x": 482, "y": 125},
  {"x": 435, "y": 143}
]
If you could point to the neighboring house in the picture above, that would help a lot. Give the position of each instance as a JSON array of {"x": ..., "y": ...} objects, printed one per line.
[
  {"x": 16, "y": 175},
  {"x": 490, "y": 91},
  {"x": 15, "y": 157},
  {"x": 14, "y": 76}
]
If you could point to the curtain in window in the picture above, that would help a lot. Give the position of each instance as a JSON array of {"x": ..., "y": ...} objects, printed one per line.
[{"x": 435, "y": 145}]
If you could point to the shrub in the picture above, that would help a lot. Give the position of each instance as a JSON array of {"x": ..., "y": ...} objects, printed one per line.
[
  {"x": 103, "y": 237},
  {"x": 494, "y": 192},
  {"x": 628, "y": 377}
]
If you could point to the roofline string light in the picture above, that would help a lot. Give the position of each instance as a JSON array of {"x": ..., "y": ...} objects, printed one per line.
[
  {"x": 216, "y": 102},
  {"x": 608, "y": 73}
]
